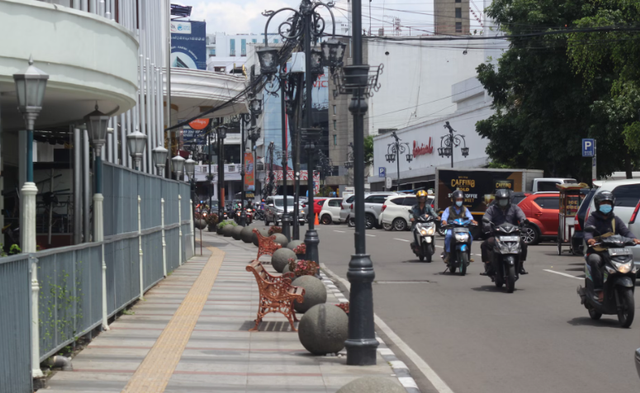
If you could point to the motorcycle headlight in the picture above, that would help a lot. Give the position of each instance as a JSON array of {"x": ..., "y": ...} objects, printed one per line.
[
  {"x": 424, "y": 232},
  {"x": 508, "y": 247},
  {"x": 462, "y": 237},
  {"x": 431, "y": 231},
  {"x": 624, "y": 267}
]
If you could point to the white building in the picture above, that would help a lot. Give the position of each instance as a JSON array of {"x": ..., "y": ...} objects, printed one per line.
[{"x": 228, "y": 52}]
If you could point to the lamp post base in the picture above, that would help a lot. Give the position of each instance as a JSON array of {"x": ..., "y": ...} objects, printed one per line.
[
  {"x": 243, "y": 219},
  {"x": 311, "y": 241},
  {"x": 361, "y": 352},
  {"x": 286, "y": 225},
  {"x": 361, "y": 344}
]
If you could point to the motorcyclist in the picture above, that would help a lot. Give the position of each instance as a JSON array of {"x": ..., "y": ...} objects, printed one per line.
[
  {"x": 419, "y": 209},
  {"x": 499, "y": 212},
  {"x": 606, "y": 223},
  {"x": 453, "y": 212}
]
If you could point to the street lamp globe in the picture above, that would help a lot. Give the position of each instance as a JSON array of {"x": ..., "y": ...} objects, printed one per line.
[
  {"x": 268, "y": 58},
  {"x": 137, "y": 142},
  {"x": 255, "y": 106},
  {"x": 160, "y": 155},
  {"x": 465, "y": 151},
  {"x": 190, "y": 168},
  {"x": 316, "y": 62},
  {"x": 333, "y": 52},
  {"x": 97, "y": 123},
  {"x": 178, "y": 164},
  {"x": 30, "y": 87}
]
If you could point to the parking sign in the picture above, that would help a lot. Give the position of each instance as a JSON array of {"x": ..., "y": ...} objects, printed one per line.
[
  {"x": 382, "y": 171},
  {"x": 588, "y": 147}
]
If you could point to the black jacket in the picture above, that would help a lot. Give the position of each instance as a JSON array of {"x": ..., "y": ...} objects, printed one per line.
[
  {"x": 602, "y": 223},
  {"x": 512, "y": 214}
]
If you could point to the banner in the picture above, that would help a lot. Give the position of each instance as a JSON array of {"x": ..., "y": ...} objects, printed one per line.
[
  {"x": 188, "y": 45},
  {"x": 249, "y": 180}
]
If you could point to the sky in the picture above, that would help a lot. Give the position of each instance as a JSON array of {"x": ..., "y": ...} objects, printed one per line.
[{"x": 244, "y": 16}]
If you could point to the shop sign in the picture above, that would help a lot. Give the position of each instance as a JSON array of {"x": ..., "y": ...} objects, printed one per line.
[{"x": 420, "y": 149}]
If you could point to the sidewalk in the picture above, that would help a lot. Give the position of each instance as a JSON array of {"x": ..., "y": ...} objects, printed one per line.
[{"x": 190, "y": 334}]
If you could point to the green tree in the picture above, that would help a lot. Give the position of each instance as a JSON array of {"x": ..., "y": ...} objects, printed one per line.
[
  {"x": 368, "y": 150},
  {"x": 543, "y": 108}
]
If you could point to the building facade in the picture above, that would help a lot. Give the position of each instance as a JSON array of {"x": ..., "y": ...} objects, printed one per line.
[{"x": 451, "y": 17}]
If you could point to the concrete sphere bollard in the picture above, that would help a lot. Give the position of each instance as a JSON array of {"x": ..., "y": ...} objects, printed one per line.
[
  {"x": 247, "y": 234},
  {"x": 227, "y": 231},
  {"x": 314, "y": 292},
  {"x": 373, "y": 384},
  {"x": 294, "y": 243},
  {"x": 323, "y": 329},
  {"x": 254, "y": 238},
  {"x": 281, "y": 239},
  {"x": 280, "y": 258},
  {"x": 236, "y": 232},
  {"x": 286, "y": 269}
]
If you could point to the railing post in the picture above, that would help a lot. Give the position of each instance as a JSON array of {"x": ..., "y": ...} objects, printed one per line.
[
  {"x": 35, "y": 321},
  {"x": 98, "y": 231},
  {"x": 179, "y": 230},
  {"x": 164, "y": 243},
  {"x": 193, "y": 230},
  {"x": 140, "y": 249}
]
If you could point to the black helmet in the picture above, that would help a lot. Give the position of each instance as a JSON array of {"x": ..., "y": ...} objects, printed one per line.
[
  {"x": 457, "y": 194},
  {"x": 604, "y": 196},
  {"x": 503, "y": 195}
]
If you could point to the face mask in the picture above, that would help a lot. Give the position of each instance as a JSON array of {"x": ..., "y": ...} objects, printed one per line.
[
  {"x": 503, "y": 202},
  {"x": 606, "y": 209},
  {"x": 458, "y": 203}
]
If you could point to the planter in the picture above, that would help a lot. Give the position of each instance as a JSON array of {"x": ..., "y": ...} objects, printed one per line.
[
  {"x": 227, "y": 231},
  {"x": 247, "y": 234}
]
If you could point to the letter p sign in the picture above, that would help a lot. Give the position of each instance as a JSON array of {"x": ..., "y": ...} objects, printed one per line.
[{"x": 588, "y": 147}]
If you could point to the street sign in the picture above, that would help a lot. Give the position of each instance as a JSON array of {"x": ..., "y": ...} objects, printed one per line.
[
  {"x": 388, "y": 183},
  {"x": 382, "y": 171},
  {"x": 588, "y": 147}
]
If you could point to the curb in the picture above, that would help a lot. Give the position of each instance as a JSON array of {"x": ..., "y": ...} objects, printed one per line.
[{"x": 399, "y": 368}]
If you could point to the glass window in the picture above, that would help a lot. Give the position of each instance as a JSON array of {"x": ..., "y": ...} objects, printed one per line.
[
  {"x": 243, "y": 47},
  {"x": 458, "y": 27},
  {"x": 627, "y": 196},
  {"x": 351, "y": 199},
  {"x": 255, "y": 41},
  {"x": 335, "y": 139},
  {"x": 335, "y": 111},
  {"x": 547, "y": 185},
  {"x": 410, "y": 201},
  {"x": 232, "y": 47},
  {"x": 212, "y": 52},
  {"x": 458, "y": 12},
  {"x": 320, "y": 202},
  {"x": 334, "y": 203},
  {"x": 458, "y": 1},
  {"x": 280, "y": 202},
  {"x": 548, "y": 202},
  {"x": 335, "y": 125},
  {"x": 275, "y": 41},
  {"x": 395, "y": 201}
]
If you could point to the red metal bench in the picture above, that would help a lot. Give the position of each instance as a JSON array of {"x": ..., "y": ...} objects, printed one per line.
[
  {"x": 266, "y": 245},
  {"x": 276, "y": 294}
]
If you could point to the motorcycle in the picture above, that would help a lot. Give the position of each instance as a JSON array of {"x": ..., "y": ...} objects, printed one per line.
[
  {"x": 460, "y": 245},
  {"x": 506, "y": 255},
  {"x": 248, "y": 213},
  {"x": 619, "y": 280},
  {"x": 425, "y": 229}
]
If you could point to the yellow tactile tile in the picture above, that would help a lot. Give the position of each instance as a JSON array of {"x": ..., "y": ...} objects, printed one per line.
[{"x": 153, "y": 374}]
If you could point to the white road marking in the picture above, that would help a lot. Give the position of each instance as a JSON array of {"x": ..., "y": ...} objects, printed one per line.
[
  {"x": 335, "y": 230},
  {"x": 408, "y": 382},
  {"x": 371, "y": 235},
  {"x": 429, "y": 373},
  {"x": 402, "y": 240},
  {"x": 563, "y": 274}
]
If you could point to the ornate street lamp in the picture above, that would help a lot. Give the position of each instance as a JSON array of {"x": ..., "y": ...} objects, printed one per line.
[
  {"x": 255, "y": 106},
  {"x": 333, "y": 53},
  {"x": 160, "y": 155},
  {"x": 178, "y": 165},
  {"x": 269, "y": 59},
  {"x": 137, "y": 142},
  {"x": 394, "y": 149},
  {"x": 451, "y": 140},
  {"x": 30, "y": 87}
]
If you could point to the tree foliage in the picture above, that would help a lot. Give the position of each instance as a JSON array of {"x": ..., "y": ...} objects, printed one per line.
[
  {"x": 368, "y": 150},
  {"x": 543, "y": 107}
]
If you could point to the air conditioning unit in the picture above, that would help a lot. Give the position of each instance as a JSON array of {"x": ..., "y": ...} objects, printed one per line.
[
  {"x": 260, "y": 166},
  {"x": 232, "y": 168}
]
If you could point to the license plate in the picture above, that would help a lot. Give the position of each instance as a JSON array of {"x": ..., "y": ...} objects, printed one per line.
[
  {"x": 509, "y": 238},
  {"x": 619, "y": 251}
]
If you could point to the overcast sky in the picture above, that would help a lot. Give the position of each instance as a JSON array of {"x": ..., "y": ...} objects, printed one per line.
[{"x": 244, "y": 16}]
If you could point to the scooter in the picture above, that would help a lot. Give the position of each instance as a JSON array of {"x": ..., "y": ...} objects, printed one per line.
[
  {"x": 506, "y": 255},
  {"x": 460, "y": 245},
  {"x": 425, "y": 230},
  {"x": 619, "y": 279}
]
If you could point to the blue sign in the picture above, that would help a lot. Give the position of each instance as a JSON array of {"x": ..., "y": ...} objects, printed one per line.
[
  {"x": 188, "y": 45},
  {"x": 382, "y": 171},
  {"x": 588, "y": 147}
]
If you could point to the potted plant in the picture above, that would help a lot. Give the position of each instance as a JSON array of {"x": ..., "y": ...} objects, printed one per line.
[
  {"x": 212, "y": 220},
  {"x": 274, "y": 229},
  {"x": 300, "y": 251},
  {"x": 303, "y": 267}
]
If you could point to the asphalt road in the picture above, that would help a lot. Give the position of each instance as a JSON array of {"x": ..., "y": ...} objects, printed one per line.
[{"x": 479, "y": 339}]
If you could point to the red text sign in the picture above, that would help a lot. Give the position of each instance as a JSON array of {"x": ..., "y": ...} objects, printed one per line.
[{"x": 422, "y": 149}]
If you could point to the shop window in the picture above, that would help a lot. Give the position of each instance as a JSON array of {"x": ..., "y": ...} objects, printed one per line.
[{"x": 458, "y": 12}]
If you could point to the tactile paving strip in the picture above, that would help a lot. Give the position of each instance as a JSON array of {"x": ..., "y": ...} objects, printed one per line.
[{"x": 155, "y": 371}]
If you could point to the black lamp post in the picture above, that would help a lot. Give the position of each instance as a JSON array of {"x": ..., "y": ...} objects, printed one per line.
[
  {"x": 222, "y": 134},
  {"x": 190, "y": 170},
  {"x": 394, "y": 150},
  {"x": 451, "y": 140},
  {"x": 349, "y": 163}
]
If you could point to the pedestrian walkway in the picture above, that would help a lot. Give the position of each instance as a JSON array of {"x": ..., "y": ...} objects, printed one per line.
[{"x": 190, "y": 334}]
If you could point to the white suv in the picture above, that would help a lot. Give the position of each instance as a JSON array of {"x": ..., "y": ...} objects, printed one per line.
[
  {"x": 396, "y": 212},
  {"x": 372, "y": 208},
  {"x": 330, "y": 211}
]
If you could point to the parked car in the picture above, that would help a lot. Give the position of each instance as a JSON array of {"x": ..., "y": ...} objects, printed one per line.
[
  {"x": 634, "y": 226},
  {"x": 318, "y": 203},
  {"x": 548, "y": 184},
  {"x": 345, "y": 209},
  {"x": 372, "y": 208},
  {"x": 274, "y": 209},
  {"x": 542, "y": 210},
  {"x": 330, "y": 212},
  {"x": 396, "y": 213},
  {"x": 577, "y": 239}
]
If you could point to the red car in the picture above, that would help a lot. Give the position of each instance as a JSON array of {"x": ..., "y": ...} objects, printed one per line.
[
  {"x": 318, "y": 202},
  {"x": 542, "y": 210}
]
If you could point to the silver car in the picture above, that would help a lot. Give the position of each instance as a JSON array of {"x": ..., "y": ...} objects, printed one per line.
[{"x": 274, "y": 209}]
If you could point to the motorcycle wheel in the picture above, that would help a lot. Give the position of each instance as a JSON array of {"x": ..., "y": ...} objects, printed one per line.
[
  {"x": 428, "y": 249},
  {"x": 511, "y": 279},
  {"x": 594, "y": 314},
  {"x": 464, "y": 261},
  {"x": 627, "y": 311}
]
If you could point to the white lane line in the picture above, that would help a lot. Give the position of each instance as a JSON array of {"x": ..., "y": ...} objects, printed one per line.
[
  {"x": 429, "y": 373},
  {"x": 371, "y": 235},
  {"x": 563, "y": 274},
  {"x": 402, "y": 240},
  {"x": 335, "y": 230}
]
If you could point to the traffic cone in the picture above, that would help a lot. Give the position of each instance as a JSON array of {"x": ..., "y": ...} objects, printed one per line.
[{"x": 316, "y": 222}]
